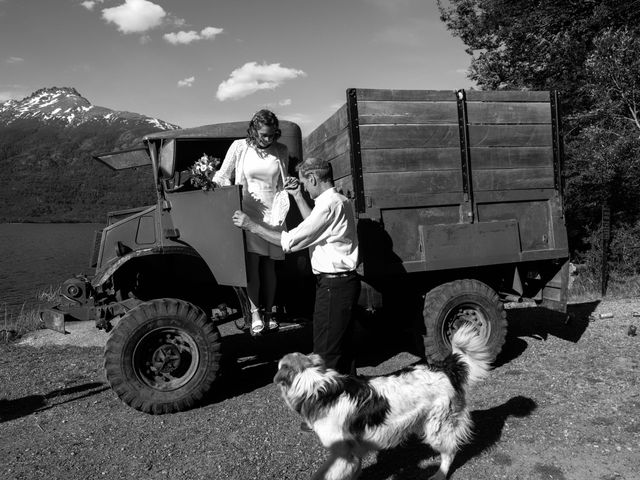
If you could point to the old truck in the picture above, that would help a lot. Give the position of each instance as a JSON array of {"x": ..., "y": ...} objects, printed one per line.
[{"x": 458, "y": 198}]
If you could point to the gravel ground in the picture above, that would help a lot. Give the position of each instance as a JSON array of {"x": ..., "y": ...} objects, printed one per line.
[{"x": 562, "y": 403}]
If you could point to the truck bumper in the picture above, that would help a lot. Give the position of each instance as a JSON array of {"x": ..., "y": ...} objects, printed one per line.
[{"x": 54, "y": 319}]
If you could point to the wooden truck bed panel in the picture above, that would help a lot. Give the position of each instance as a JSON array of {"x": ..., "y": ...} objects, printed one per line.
[
  {"x": 427, "y": 164},
  {"x": 336, "y": 146},
  {"x": 371, "y": 113},
  {"x": 510, "y": 157},
  {"x": 512, "y": 179},
  {"x": 335, "y": 124},
  {"x": 408, "y": 136},
  {"x": 508, "y": 112},
  {"x": 410, "y": 159}
]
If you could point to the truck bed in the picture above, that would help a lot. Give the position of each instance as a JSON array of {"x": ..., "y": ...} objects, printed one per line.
[{"x": 451, "y": 178}]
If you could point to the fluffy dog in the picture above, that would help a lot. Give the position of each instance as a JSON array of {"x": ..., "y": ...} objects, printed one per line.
[{"x": 353, "y": 416}]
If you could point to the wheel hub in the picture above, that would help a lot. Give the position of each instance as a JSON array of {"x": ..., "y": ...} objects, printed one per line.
[
  {"x": 465, "y": 314},
  {"x": 166, "y": 358}
]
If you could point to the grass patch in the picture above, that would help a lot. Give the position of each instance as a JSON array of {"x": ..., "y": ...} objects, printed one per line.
[
  {"x": 49, "y": 295},
  {"x": 587, "y": 286},
  {"x": 14, "y": 326}
]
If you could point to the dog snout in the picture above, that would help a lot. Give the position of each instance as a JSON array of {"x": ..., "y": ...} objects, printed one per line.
[{"x": 281, "y": 377}]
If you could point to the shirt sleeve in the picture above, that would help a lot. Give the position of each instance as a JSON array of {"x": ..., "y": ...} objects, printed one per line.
[
  {"x": 311, "y": 231},
  {"x": 224, "y": 176}
]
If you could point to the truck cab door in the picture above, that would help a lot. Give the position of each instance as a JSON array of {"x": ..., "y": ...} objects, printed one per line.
[{"x": 202, "y": 220}]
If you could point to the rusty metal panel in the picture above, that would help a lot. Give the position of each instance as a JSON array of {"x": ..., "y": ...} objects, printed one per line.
[
  {"x": 53, "y": 319},
  {"x": 119, "y": 235},
  {"x": 203, "y": 221},
  {"x": 555, "y": 292},
  {"x": 400, "y": 227},
  {"x": 532, "y": 216},
  {"x": 469, "y": 245},
  {"x": 125, "y": 159}
]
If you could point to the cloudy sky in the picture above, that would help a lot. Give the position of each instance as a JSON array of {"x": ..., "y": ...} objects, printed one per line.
[{"x": 193, "y": 62}]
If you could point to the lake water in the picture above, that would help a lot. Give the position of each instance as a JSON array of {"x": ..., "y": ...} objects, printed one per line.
[{"x": 37, "y": 257}]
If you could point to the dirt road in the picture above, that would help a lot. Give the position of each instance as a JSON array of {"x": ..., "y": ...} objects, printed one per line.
[{"x": 562, "y": 403}]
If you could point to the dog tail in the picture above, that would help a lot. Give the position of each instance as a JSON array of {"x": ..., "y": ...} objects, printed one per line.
[{"x": 472, "y": 350}]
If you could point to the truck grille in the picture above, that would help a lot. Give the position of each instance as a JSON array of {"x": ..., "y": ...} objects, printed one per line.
[{"x": 93, "y": 259}]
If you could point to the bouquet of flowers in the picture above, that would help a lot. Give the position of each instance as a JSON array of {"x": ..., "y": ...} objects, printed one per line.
[{"x": 202, "y": 171}]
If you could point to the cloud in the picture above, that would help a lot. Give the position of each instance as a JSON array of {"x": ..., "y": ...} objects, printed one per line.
[
  {"x": 285, "y": 102},
  {"x": 251, "y": 77},
  {"x": 14, "y": 60},
  {"x": 135, "y": 16},
  {"x": 210, "y": 32},
  {"x": 185, "y": 38},
  {"x": 174, "y": 21},
  {"x": 90, "y": 4},
  {"x": 181, "y": 38},
  {"x": 187, "y": 82}
]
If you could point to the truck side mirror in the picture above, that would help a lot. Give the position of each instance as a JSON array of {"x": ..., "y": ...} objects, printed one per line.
[{"x": 167, "y": 159}]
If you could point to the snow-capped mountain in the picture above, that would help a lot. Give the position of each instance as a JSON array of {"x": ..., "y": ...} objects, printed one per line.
[
  {"x": 47, "y": 144},
  {"x": 64, "y": 105}
]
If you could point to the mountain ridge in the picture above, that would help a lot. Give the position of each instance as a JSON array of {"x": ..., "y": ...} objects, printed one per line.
[
  {"x": 47, "y": 140},
  {"x": 67, "y": 105}
]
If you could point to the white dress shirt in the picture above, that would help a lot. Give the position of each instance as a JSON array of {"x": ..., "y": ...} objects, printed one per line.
[{"x": 330, "y": 234}]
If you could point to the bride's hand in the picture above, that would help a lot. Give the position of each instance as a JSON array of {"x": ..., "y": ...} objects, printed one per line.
[{"x": 291, "y": 183}]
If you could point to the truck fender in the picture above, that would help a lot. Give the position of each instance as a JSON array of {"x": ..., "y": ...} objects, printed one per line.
[{"x": 102, "y": 276}]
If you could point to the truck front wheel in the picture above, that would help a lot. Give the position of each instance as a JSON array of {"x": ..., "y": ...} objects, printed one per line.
[
  {"x": 163, "y": 356},
  {"x": 448, "y": 306}
]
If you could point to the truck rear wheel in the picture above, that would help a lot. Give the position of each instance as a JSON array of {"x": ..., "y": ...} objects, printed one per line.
[
  {"x": 448, "y": 306},
  {"x": 163, "y": 356}
]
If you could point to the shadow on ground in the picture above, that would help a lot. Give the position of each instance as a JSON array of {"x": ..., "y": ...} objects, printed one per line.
[
  {"x": 540, "y": 323},
  {"x": 406, "y": 462},
  {"x": 21, "y": 407},
  {"x": 250, "y": 362}
]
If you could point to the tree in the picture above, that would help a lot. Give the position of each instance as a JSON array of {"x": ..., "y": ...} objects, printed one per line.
[
  {"x": 605, "y": 150},
  {"x": 589, "y": 51},
  {"x": 613, "y": 78},
  {"x": 534, "y": 44}
]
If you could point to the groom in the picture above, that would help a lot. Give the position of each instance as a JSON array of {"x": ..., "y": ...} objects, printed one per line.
[{"x": 329, "y": 231}]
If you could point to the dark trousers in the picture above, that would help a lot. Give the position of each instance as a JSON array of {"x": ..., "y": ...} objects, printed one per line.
[{"x": 336, "y": 300}]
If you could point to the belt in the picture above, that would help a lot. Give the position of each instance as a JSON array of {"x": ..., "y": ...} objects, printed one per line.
[{"x": 337, "y": 275}]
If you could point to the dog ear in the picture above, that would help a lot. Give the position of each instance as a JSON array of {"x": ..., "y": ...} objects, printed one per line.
[{"x": 316, "y": 360}]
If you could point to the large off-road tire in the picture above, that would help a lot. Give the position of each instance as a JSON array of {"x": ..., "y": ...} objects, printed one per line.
[
  {"x": 448, "y": 306},
  {"x": 163, "y": 356}
]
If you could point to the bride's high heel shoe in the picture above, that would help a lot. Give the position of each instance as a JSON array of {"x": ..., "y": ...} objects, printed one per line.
[
  {"x": 257, "y": 323},
  {"x": 270, "y": 320}
]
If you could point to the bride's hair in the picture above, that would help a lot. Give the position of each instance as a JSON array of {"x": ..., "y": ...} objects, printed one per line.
[{"x": 261, "y": 119}]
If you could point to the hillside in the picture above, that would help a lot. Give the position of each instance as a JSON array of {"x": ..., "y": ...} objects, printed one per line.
[{"x": 46, "y": 145}]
